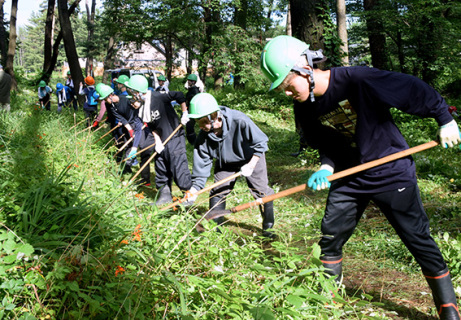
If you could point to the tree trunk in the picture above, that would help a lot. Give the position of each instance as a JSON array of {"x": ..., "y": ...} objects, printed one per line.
[
  {"x": 288, "y": 26},
  {"x": 69, "y": 45},
  {"x": 3, "y": 51},
  {"x": 90, "y": 17},
  {"x": 376, "y": 36},
  {"x": 306, "y": 22},
  {"x": 57, "y": 43},
  {"x": 12, "y": 45},
  {"x": 342, "y": 30},
  {"x": 109, "y": 60},
  {"x": 48, "y": 46}
]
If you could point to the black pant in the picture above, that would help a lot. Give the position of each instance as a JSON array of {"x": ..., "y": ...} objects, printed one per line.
[
  {"x": 46, "y": 102},
  {"x": 147, "y": 139},
  {"x": 171, "y": 165},
  {"x": 403, "y": 209}
]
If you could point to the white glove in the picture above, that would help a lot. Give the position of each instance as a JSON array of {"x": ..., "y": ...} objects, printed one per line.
[
  {"x": 247, "y": 169},
  {"x": 190, "y": 195},
  {"x": 449, "y": 134},
  {"x": 159, "y": 147},
  {"x": 185, "y": 118}
]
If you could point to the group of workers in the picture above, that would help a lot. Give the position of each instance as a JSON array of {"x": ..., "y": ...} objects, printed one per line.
[{"x": 343, "y": 112}]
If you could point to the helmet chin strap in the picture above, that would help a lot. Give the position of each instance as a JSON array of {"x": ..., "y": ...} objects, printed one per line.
[
  {"x": 310, "y": 74},
  {"x": 312, "y": 57},
  {"x": 211, "y": 120}
]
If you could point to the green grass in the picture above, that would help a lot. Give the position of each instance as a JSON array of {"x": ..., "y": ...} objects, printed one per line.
[{"x": 77, "y": 241}]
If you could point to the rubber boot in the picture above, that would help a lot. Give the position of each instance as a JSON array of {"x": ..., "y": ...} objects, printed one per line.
[
  {"x": 164, "y": 195},
  {"x": 267, "y": 212},
  {"x": 334, "y": 267},
  {"x": 217, "y": 204},
  {"x": 443, "y": 294}
]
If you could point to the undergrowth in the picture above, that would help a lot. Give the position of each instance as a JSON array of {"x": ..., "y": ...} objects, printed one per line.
[{"x": 78, "y": 241}]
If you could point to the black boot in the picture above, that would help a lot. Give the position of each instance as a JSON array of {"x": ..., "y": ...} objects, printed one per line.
[
  {"x": 164, "y": 195},
  {"x": 443, "y": 294},
  {"x": 334, "y": 267},
  {"x": 267, "y": 212},
  {"x": 217, "y": 204}
]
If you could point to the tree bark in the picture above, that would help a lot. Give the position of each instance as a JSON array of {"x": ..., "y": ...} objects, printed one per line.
[
  {"x": 342, "y": 30},
  {"x": 90, "y": 17},
  {"x": 306, "y": 23},
  {"x": 69, "y": 45},
  {"x": 288, "y": 26},
  {"x": 3, "y": 51},
  {"x": 109, "y": 60},
  {"x": 57, "y": 43},
  {"x": 48, "y": 46},
  {"x": 12, "y": 45},
  {"x": 376, "y": 36}
]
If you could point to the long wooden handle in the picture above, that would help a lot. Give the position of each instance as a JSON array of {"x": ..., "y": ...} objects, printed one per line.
[
  {"x": 339, "y": 175},
  {"x": 105, "y": 134},
  {"x": 124, "y": 146},
  {"x": 220, "y": 182},
  {"x": 155, "y": 153}
]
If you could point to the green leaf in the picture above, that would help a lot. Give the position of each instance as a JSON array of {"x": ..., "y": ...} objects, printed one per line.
[
  {"x": 295, "y": 300},
  {"x": 27, "y": 249}
]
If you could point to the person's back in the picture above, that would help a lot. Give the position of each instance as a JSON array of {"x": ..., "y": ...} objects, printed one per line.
[{"x": 5, "y": 87}]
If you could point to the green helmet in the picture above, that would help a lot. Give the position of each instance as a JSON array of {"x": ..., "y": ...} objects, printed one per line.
[
  {"x": 161, "y": 78},
  {"x": 103, "y": 90},
  {"x": 192, "y": 77},
  {"x": 201, "y": 105},
  {"x": 122, "y": 79},
  {"x": 138, "y": 83},
  {"x": 279, "y": 56},
  {"x": 42, "y": 84},
  {"x": 68, "y": 73}
]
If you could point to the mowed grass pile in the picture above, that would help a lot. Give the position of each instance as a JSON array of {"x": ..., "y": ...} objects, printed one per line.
[{"x": 79, "y": 241}]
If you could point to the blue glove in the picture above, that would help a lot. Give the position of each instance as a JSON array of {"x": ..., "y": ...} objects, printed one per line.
[
  {"x": 132, "y": 153},
  {"x": 319, "y": 181}
]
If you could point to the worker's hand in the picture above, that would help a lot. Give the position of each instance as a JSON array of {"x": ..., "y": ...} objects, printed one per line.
[
  {"x": 185, "y": 118},
  {"x": 319, "y": 180},
  {"x": 247, "y": 169},
  {"x": 131, "y": 132},
  {"x": 190, "y": 196},
  {"x": 132, "y": 153},
  {"x": 159, "y": 147},
  {"x": 449, "y": 134},
  {"x": 95, "y": 124}
]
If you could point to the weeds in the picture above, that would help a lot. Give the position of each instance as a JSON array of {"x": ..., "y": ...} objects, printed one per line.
[{"x": 78, "y": 241}]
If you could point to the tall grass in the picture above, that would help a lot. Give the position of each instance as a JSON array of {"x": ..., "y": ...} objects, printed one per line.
[{"x": 78, "y": 241}]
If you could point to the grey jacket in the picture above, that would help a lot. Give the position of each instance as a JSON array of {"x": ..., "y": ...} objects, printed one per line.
[{"x": 241, "y": 139}]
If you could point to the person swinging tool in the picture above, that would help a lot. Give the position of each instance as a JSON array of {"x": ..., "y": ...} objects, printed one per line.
[
  {"x": 156, "y": 111},
  {"x": 237, "y": 144},
  {"x": 345, "y": 115}
]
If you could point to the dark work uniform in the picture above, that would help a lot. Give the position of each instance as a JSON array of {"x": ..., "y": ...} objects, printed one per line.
[
  {"x": 190, "y": 126},
  {"x": 351, "y": 124},
  {"x": 171, "y": 164},
  {"x": 126, "y": 114}
]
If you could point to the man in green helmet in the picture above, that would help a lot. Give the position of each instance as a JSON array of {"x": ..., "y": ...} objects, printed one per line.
[
  {"x": 189, "y": 123},
  {"x": 238, "y": 145},
  {"x": 121, "y": 81},
  {"x": 345, "y": 114},
  {"x": 70, "y": 84},
  {"x": 44, "y": 92},
  {"x": 157, "y": 112},
  {"x": 162, "y": 84}
]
